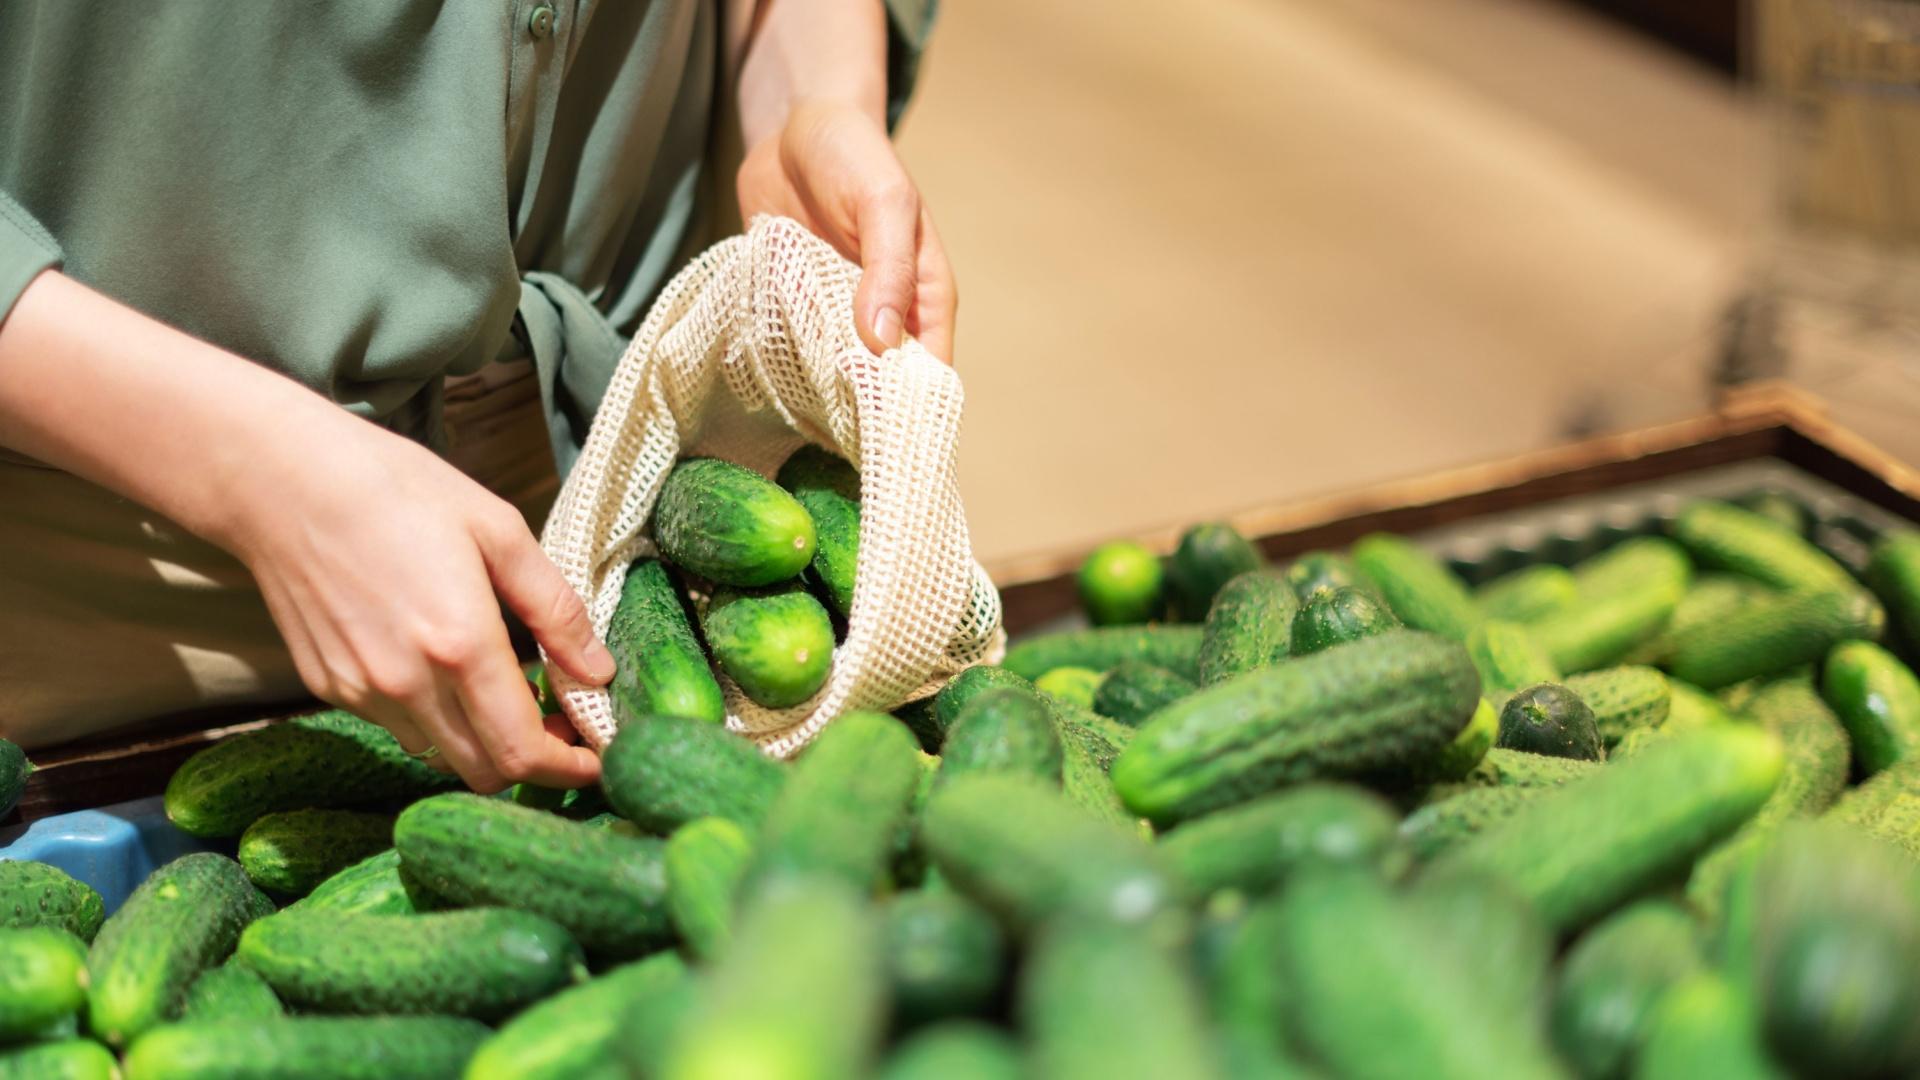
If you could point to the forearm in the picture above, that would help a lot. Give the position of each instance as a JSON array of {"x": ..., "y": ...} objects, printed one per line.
[{"x": 806, "y": 50}]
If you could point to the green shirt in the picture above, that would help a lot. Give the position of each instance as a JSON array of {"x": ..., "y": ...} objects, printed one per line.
[{"x": 369, "y": 196}]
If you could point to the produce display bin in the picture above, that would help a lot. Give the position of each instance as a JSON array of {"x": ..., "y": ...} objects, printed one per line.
[{"x": 112, "y": 848}]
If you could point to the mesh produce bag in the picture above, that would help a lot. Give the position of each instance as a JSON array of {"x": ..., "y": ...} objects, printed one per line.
[{"x": 749, "y": 353}]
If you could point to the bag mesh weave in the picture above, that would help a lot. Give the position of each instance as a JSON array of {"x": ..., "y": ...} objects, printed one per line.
[{"x": 749, "y": 353}]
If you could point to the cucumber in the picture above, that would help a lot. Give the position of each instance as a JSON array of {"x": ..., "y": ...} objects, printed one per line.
[
  {"x": 1208, "y": 556},
  {"x": 1249, "y": 626},
  {"x": 1239, "y": 964},
  {"x": 293, "y": 851},
  {"x": 659, "y": 667},
  {"x": 477, "y": 852},
  {"x": 1027, "y": 853},
  {"x": 230, "y": 992},
  {"x": 41, "y": 894},
  {"x": 705, "y": 859},
  {"x": 1528, "y": 594},
  {"x": 1135, "y": 690},
  {"x": 661, "y": 772},
  {"x": 1176, "y": 648},
  {"x": 1089, "y": 744},
  {"x": 1482, "y": 929},
  {"x": 945, "y": 957},
  {"x": 1631, "y": 565},
  {"x": 63, "y": 1059},
  {"x": 1004, "y": 730},
  {"x": 1550, "y": 719},
  {"x": 1508, "y": 658},
  {"x": 1887, "y": 806},
  {"x": 1693, "y": 707},
  {"x": 1878, "y": 699},
  {"x": 535, "y": 797},
  {"x": 1380, "y": 703},
  {"x": 1502, "y": 767},
  {"x": 328, "y": 759},
  {"x": 309, "y": 1048},
  {"x": 829, "y": 488},
  {"x": 43, "y": 981},
  {"x": 1420, "y": 588},
  {"x": 482, "y": 962},
  {"x": 1773, "y": 636},
  {"x": 1613, "y": 981},
  {"x": 776, "y": 643},
  {"x": 1336, "y": 616},
  {"x": 1254, "y": 847},
  {"x": 1449, "y": 822},
  {"x": 1121, "y": 582},
  {"x": 955, "y": 1050},
  {"x": 800, "y": 993},
  {"x": 14, "y": 768},
  {"x": 842, "y": 811},
  {"x": 1100, "y": 1000},
  {"x": 1729, "y": 538},
  {"x": 964, "y": 687},
  {"x": 1704, "y": 1027},
  {"x": 731, "y": 525},
  {"x": 1076, "y": 685},
  {"x": 1778, "y": 507},
  {"x": 1466, "y": 750},
  {"x": 181, "y": 921},
  {"x": 1623, "y": 699},
  {"x": 1324, "y": 571},
  {"x": 376, "y": 885},
  {"x": 573, "y": 1033},
  {"x": 1578, "y": 850},
  {"x": 1711, "y": 598},
  {"x": 1894, "y": 572}
]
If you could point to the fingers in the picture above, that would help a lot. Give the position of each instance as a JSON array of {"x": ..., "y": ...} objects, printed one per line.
[
  {"x": 937, "y": 299},
  {"x": 510, "y": 727},
  {"x": 533, "y": 588},
  {"x": 888, "y": 222}
]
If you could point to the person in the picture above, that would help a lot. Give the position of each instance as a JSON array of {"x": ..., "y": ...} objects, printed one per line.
[{"x": 273, "y": 275}]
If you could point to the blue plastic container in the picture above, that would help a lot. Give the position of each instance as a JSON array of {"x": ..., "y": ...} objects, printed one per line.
[{"x": 112, "y": 848}]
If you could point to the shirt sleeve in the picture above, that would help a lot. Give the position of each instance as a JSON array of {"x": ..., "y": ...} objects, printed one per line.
[
  {"x": 25, "y": 249},
  {"x": 909, "y": 22}
]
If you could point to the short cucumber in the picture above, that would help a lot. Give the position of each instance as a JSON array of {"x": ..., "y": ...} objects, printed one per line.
[
  {"x": 1238, "y": 960},
  {"x": 661, "y": 772},
  {"x": 1336, "y": 616},
  {"x": 1705, "y": 1027},
  {"x": 1101, "y": 1000},
  {"x": 1773, "y": 636},
  {"x": 293, "y": 851},
  {"x": 1324, "y": 571},
  {"x": 964, "y": 687},
  {"x": 1693, "y": 707},
  {"x": 1508, "y": 657},
  {"x": 1877, "y": 698},
  {"x": 659, "y": 667},
  {"x": 945, "y": 956},
  {"x": 1121, "y": 582},
  {"x": 1255, "y": 846},
  {"x": 1547, "y": 718},
  {"x": 1623, "y": 699},
  {"x": 1249, "y": 626},
  {"x": 309, "y": 1048},
  {"x": 1778, "y": 507},
  {"x": 776, "y": 643},
  {"x": 1420, "y": 588},
  {"x": 1133, "y": 691},
  {"x": 955, "y": 1050},
  {"x": 1894, "y": 571},
  {"x": 1449, "y": 822},
  {"x": 572, "y": 1033},
  {"x": 1613, "y": 981},
  {"x": 1006, "y": 730},
  {"x": 1727, "y": 537},
  {"x": 1208, "y": 556},
  {"x": 181, "y": 921},
  {"x": 731, "y": 525},
  {"x": 1887, "y": 805},
  {"x": 1077, "y": 685},
  {"x": 1711, "y": 598},
  {"x": 842, "y": 810},
  {"x": 1482, "y": 929},
  {"x": 1464, "y": 752},
  {"x": 1528, "y": 594},
  {"x": 62, "y": 1059},
  {"x": 1632, "y": 564},
  {"x": 14, "y": 768},
  {"x": 1502, "y": 767},
  {"x": 43, "y": 980},
  {"x": 1176, "y": 648},
  {"x": 705, "y": 861},
  {"x": 230, "y": 992},
  {"x": 376, "y": 885},
  {"x": 41, "y": 894},
  {"x": 1089, "y": 744},
  {"x": 829, "y": 488}
]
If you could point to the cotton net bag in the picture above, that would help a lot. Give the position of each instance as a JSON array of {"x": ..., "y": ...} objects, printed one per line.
[{"x": 749, "y": 353}]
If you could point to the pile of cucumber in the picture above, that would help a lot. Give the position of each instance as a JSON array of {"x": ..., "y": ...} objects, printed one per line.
[{"x": 1656, "y": 814}]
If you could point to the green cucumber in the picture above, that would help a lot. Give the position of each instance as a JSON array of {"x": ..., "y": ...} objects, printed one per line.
[
  {"x": 1176, "y": 648},
  {"x": 481, "y": 962},
  {"x": 953, "y": 1051},
  {"x": 829, "y": 488},
  {"x": 1100, "y": 1000},
  {"x": 1135, "y": 690},
  {"x": 1208, "y": 556},
  {"x": 1466, "y": 750},
  {"x": 1121, "y": 582},
  {"x": 41, "y": 894},
  {"x": 1711, "y": 598},
  {"x": 1693, "y": 707},
  {"x": 1576, "y": 851},
  {"x": 375, "y": 885},
  {"x": 1076, "y": 685},
  {"x": 1255, "y": 846},
  {"x": 945, "y": 956},
  {"x": 1449, "y": 822},
  {"x": 43, "y": 981},
  {"x": 731, "y": 525},
  {"x": 536, "y": 797},
  {"x": 295, "y": 850},
  {"x": 309, "y": 1048},
  {"x": 776, "y": 643},
  {"x": 1503, "y": 767},
  {"x": 573, "y": 1033},
  {"x": 1420, "y": 588},
  {"x": 230, "y": 992},
  {"x": 1887, "y": 805},
  {"x": 1381, "y": 703},
  {"x": 63, "y": 1059},
  {"x": 706, "y": 859},
  {"x": 659, "y": 667},
  {"x": 1774, "y": 636},
  {"x": 1508, "y": 658},
  {"x": 1336, "y": 616},
  {"x": 1612, "y": 983},
  {"x": 1705, "y": 1027},
  {"x": 661, "y": 772},
  {"x": 1631, "y": 565},
  {"x": 328, "y": 759},
  {"x": 181, "y": 921},
  {"x": 1878, "y": 699},
  {"x": 1028, "y": 853},
  {"x": 1623, "y": 699},
  {"x": 1324, "y": 571},
  {"x": 841, "y": 813},
  {"x": 1778, "y": 507},
  {"x": 1894, "y": 571},
  {"x": 1249, "y": 626},
  {"x": 14, "y": 768},
  {"x": 1005, "y": 730},
  {"x": 964, "y": 687},
  {"x": 1089, "y": 744},
  {"x": 1483, "y": 929},
  {"x": 1729, "y": 538},
  {"x": 1528, "y": 594},
  {"x": 1550, "y": 719},
  {"x": 1238, "y": 956}
]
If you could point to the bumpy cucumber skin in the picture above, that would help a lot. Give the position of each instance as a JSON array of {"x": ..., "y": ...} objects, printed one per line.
[
  {"x": 295, "y": 850},
  {"x": 309, "y": 1048},
  {"x": 43, "y": 980},
  {"x": 375, "y": 885},
  {"x": 1508, "y": 658},
  {"x": 1711, "y": 598},
  {"x": 1887, "y": 805},
  {"x": 481, "y": 962},
  {"x": 1894, "y": 571},
  {"x": 1249, "y": 626},
  {"x": 1727, "y": 537},
  {"x": 1100, "y": 1000},
  {"x": 181, "y": 921},
  {"x": 1775, "y": 635},
  {"x": 1613, "y": 980},
  {"x": 731, "y": 525},
  {"x": 841, "y": 812},
  {"x": 1381, "y": 703},
  {"x": 1176, "y": 648},
  {"x": 1503, "y": 767},
  {"x": 1317, "y": 572},
  {"x": 829, "y": 488},
  {"x": 659, "y": 667},
  {"x": 40, "y": 894},
  {"x": 1089, "y": 744},
  {"x": 945, "y": 956},
  {"x": 1133, "y": 691},
  {"x": 964, "y": 687},
  {"x": 1632, "y": 564},
  {"x": 1465, "y": 751},
  {"x": 1528, "y": 594},
  {"x": 1120, "y": 583},
  {"x": 1420, "y": 589},
  {"x": 230, "y": 992},
  {"x": 63, "y": 1059},
  {"x": 327, "y": 759},
  {"x": 777, "y": 644},
  {"x": 1076, "y": 685},
  {"x": 1623, "y": 699},
  {"x": 1706, "y": 1027},
  {"x": 1878, "y": 699},
  {"x": 661, "y": 772},
  {"x": 1548, "y": 718},
  {"x": 14, "y": 768},
  {"x": 1209, "y": 555},
  {"x": 1005, "y": 730},
  {"x": 1638, "y": 820},
  {"x": 705, "y": 862},
  {"x": 1255, "y": 846},
  {"x": 572, "y": 1033},
  {"x": 954, "y": 1050},
  {"x": 1598, "y": 632},
  {"x": 1336, "y": 616},
  {"x": 1449, "y": 822}
]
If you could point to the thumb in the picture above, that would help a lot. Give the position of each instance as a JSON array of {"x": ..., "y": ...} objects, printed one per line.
[
  {"x": 533, "y": 588},
  {"x": 888, "y": 223}
]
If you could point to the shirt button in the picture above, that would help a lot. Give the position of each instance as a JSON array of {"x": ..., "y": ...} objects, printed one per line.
[{"x": 540, "y": 22}]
